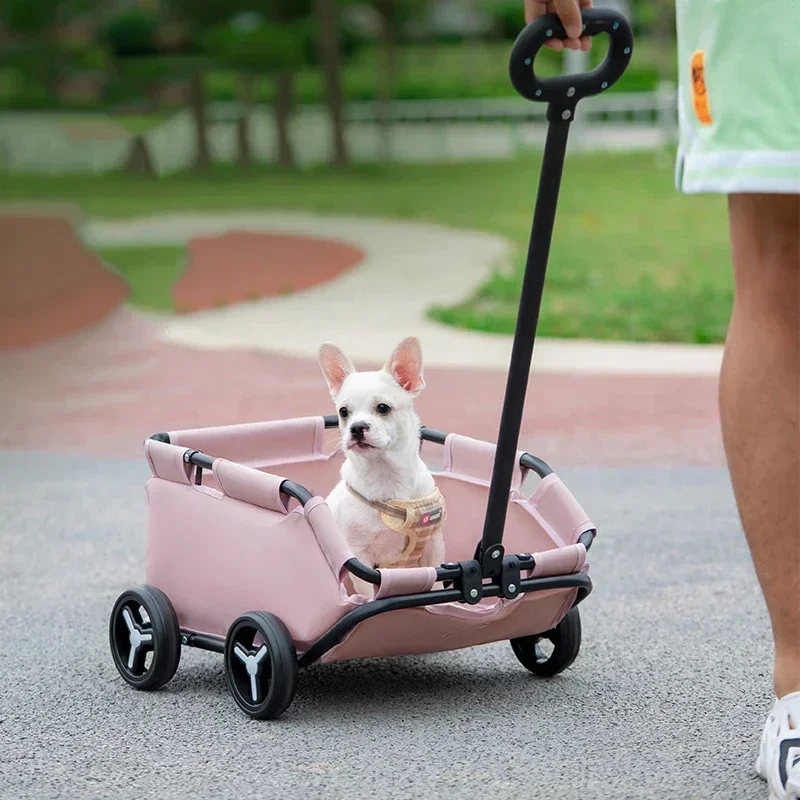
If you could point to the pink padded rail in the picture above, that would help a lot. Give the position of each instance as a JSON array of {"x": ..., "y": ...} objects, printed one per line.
[
  {"x": 561, "y": 561},
  {"x": 166, "y": 461},
  {"x": 555, "y": 504},
  {"x": 405, "y": 581},
  {"x": 250, "y": 485},
  {"x": 259, "y": 444},
  {"x": 472, "y": 460}
]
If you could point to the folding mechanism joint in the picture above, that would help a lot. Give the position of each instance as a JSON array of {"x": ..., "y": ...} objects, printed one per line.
[
  {"x": 510, "y": 577},
  {"x": 470, "y": 582},
  {"x": 491, "y": 560}
]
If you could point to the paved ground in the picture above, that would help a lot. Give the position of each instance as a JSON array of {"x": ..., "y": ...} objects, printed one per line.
[
  {"x": 666, "y": 699},
  {"x": 389, "y": 293},
  {"x": 107, "y": 388},
  {"x": 238, "y": 266}
]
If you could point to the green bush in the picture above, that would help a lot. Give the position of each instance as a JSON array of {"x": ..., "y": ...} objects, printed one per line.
[
  {"x": 508, "y": 17},
  {"x": 131, "y": 34}
]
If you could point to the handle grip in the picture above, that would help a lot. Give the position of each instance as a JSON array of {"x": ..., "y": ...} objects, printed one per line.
[{"x": 565, "y": 90}]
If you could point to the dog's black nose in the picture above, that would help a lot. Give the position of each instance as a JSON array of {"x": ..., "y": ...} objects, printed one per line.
[{"x": 357, "y": 430}]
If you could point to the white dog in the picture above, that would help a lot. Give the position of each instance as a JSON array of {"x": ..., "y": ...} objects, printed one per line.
[{"x": 387, "y": 503}]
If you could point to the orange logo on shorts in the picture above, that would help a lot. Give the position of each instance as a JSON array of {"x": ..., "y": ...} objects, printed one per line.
[{"x": 699, "y": 89}]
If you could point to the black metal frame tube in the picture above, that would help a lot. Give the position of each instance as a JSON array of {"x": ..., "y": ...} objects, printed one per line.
[{"x": 525, "y": 334}]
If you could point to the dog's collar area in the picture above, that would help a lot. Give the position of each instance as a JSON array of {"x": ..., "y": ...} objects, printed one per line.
[{"x": 419, "y": 520}]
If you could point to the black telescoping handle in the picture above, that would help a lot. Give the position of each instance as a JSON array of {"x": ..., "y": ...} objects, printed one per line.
[
  {"x": 566, "y": 90},
  {"x": 561, "y": 94}
]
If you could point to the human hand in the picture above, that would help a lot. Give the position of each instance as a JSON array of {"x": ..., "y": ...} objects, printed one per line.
[{"x": 569, "y": 12}]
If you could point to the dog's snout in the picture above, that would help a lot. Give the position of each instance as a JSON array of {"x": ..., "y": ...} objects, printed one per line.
[{"x": 358, "y": 429}]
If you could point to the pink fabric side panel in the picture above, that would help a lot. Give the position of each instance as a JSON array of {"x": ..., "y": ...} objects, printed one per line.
[
  {"x": 216, "y": 557},
  {"x": 561, "y": 561},
  {"x": 405, "y": 581},
  {"x": 451, "y": 626},
  {"x": 331, "y": 540},
  {"x": 562, "y": 511},
  {"x": 166, "y": 461},
  {"x": 472, "y": 460},
  {"x": 250, "y": 485},
  {"x": 259, "y": 444}
]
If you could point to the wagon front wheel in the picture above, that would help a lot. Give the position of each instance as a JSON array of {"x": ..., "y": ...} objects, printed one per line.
[
  {"x": 261, "y": 664},
  {"x": 547, "y": 654},
  {"x": 144, "y": 637}
]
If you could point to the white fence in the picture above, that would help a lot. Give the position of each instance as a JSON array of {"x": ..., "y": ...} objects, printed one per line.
[{"x": 422, "y": 131}]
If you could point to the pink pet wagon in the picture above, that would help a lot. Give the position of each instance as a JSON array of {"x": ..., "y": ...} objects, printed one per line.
[{"x": 246, "y": 563}]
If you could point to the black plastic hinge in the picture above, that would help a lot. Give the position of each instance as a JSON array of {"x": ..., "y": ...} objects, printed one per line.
[
  {"x": 492, "y": 561},
  {"x": 471, "y": 582},
  {"x": 510, "y": 577}
]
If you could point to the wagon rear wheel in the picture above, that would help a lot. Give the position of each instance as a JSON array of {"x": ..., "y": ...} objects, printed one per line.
[
  {"x": 144, "y": 637},
  {"x": 547, "y": 654},
  {"x": 261, "y": 665}
]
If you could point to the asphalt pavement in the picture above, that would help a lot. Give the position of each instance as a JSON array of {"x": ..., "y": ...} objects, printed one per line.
[{"x": 666, "y": 699}]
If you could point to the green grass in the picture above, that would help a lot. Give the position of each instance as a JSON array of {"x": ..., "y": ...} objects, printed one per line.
[
  {"x": 151, "y": 272},
  {"x": 632, "y": 259}
]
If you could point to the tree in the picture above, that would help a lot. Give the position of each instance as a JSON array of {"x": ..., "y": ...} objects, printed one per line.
[
  {"x": 392, "y": 15},
  {"x": 329, "y": 46},
  {"x": 251, "y": 44},
  {"x": 36, "y": 24},
  {"x": 199, "y": 16}
]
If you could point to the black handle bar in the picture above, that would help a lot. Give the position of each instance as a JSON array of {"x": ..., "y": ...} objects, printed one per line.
[{"x": 566, "y": 90}]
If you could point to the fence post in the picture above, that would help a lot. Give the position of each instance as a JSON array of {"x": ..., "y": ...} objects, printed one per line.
[{"x": 666, "y": 107}]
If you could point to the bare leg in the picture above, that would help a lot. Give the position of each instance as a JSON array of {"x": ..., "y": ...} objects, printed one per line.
[{"x": 759, "y": 402}]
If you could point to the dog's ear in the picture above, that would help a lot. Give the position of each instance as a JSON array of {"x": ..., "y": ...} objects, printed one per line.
[
  {"x": 336, "y": 366},
  {"x": 405, "y": 365}
]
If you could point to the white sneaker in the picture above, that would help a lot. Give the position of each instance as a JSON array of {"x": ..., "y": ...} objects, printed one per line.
[{"x": 778, "y": 760}]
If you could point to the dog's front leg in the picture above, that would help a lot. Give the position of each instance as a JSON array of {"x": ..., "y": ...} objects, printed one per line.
[{"x": 433, "y": 554}]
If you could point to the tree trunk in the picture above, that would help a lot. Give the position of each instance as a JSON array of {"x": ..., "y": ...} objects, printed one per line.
[
  {"x": 283, "y": 110},
  {"x": 244, "y": 157},
  {"x": 327, "y": 16},
  {"x": 386, "y": 78},
  {"x": 138, "y": 161},
  {"x": 202, "y": 158}
]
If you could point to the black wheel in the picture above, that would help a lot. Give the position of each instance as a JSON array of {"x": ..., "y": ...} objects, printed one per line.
[
  {"x": 547, "y": 654},
  {"x": 261, "y": 665},
  {"x": 145, "y": 637}
]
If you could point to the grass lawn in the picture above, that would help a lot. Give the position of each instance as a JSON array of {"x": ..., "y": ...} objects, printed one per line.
[
  {"x": 632, "y": 259},
  {"x": 150, "y": 271}
]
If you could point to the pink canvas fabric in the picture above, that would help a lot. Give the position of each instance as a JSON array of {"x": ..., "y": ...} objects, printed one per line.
[
  {"x": 560, "y": 561},
  {"x": 259, "y": 444},
  {"x": 229, "y": 546},
  {"x": 405, "y": 581},
  {"x": 250, "y": 485},
  {"x": 167, "y": 461}
]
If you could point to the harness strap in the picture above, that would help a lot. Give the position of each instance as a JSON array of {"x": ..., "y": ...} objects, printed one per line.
[{"x": 418, "y": 520}]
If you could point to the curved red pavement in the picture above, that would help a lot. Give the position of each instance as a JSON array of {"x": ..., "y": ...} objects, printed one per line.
[
  {"x": 50, "y": 283},
  {"x": 104, "y": 389},
  {"x": 245, "y": 265}
]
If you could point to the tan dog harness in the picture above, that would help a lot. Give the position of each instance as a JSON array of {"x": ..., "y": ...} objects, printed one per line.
[{"x": 418, "y": 519}]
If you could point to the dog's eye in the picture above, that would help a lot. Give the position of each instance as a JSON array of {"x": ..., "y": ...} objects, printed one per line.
[
  {"x": 343, "y": 412},
  {"x": 383, "y": 408}
]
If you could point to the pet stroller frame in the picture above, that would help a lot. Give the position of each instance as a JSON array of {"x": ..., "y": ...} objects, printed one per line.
[{"x": 261, "y": 649}]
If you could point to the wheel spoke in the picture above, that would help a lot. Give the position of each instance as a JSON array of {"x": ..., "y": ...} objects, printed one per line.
[
  {"x": 260, "y": 654},
  {"x": 254, "y": 686},
  {"x": 126, "y": 615},
  {"x": 146, "y": 638},
  {"x": 132, "y": 656},
  {"x": 240, "y": 653}
]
